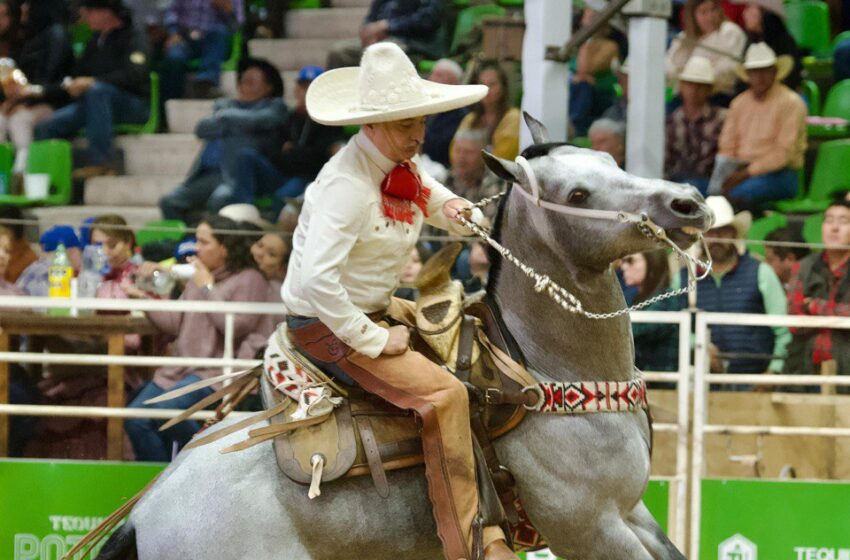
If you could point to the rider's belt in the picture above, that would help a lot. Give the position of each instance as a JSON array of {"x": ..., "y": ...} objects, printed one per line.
[
  {"x": 317, "y": 340},
  {"x": 589, "y": 396}
]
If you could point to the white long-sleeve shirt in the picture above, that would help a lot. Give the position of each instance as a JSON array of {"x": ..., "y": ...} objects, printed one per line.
[{"x": 346, "y": 256}]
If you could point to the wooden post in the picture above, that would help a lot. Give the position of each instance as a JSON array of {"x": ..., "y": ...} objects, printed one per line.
[
  {"x": 115, "y": 398},
  {"x": 829, "y": 367},
  {"x": 4, "y": 395}
]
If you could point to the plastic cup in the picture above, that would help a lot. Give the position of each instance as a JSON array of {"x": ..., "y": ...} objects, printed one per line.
[{"x": 36, "y": 185}]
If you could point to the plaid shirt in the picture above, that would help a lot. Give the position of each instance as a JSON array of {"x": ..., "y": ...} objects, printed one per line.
[
  {"x": 691, "y": 146},
  {"x": 200, "y": 15}
]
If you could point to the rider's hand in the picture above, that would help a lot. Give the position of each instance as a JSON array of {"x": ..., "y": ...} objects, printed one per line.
[
  {"x": 397, "y": 342},
  {"x": 457, "y": 207}
]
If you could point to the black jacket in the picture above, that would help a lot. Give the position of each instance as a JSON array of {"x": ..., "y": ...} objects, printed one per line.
[
  {"x": 47, "y": 57},
  {"x": 311, "y": 145},
  {"x": 416, "y": 22}
]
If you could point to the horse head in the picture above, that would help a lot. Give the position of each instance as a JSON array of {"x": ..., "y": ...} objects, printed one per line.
[{"x": 553, "y": 175}]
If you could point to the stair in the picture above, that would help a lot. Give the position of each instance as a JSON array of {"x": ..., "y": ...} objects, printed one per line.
[
  {"x": 129, "y": 190},
  {"x": 184, "y": 114},
  {"x": 330, "y": 23},
  {"x": 159, "y": 154},
  {"x": 352, "y": 4},
  {"x": 292, "y": 54}
]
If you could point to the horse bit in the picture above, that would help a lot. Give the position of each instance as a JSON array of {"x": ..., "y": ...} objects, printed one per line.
[{"x": 558, "y": 293}]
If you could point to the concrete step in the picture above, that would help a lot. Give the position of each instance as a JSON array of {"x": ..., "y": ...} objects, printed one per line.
[
  {"x": 351, "y": 4},
  {"x": 292, "y": 54},
  {"x": 184, "y": 114},
  {"x": 159, "y": 154},
  {"x": 128, "y": 190},
  {"x": 136, "y": 216},
  {"x": 331, "y": 23}
]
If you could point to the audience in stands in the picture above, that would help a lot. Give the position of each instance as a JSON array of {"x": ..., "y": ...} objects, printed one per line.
[
  {"x": 225, "y": 271},
  {"x": 21, "y": 254},
  {"x": 469, "y": 177},
  {"x": 254, "y": 119},
  {"x": 306, "y": 147},
  {"x": 7, "y": 288},
  {"x": 119, "y": 243},
  {"x": 709, "y": 35},
  {"x": 764, "y": 22},
  {"x": 693, "y": 128},
  {"x": 198, "y": 29},
  {"x": 822, "y": 288},
  {"x": 619, "y": 110},
  {"x": 415, "y": 25},
  {"x": 784, "y": 260},
  {"x": 407, "y": 288},
  {"x": 738, "y": 283},
  {"x": 765, "y": 129},
  {"x": 109, "y": 85},
  {"x": 33, "y": 280},
  {"x": 271, "y": 252},
  {"x": 10, "y": 28},
  {"x": 609, "y": 136},
  {"x": 441, "y": 127},
  {"x": 495, "y": 114}
]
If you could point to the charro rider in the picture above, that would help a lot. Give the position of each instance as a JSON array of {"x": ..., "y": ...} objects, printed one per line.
[{"x": 360, "y": 220}]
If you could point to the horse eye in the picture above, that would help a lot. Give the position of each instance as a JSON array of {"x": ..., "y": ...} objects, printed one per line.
[{"x": 578, "y": 196}]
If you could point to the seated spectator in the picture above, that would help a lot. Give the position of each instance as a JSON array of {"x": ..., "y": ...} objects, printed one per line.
[
  {"x": 110, "y": 85},
  {"x": 7, "y": 288},
  {"x": 619, "y": 110},
  {"x": 225, "y": 271},
  {"x": 271, "y": 252},
  {"x": 765, "y": 128},
  {"x": 33, "y": 280},
  {"x": 119, "y": 243},
  {"x": 46, "y": 58},
  {"x": 414, "y": 25},
  {"x": 407, "y": 288},
  {"x": 469, "y": 177},
  {"x": 709, "y": 35},
  {"x": 479, "y": 267},
  {"x": 441, "y": 127},
  {"x": 693, "y": 128},
  {"x": 822, "y": 288},
  {"x": 784, "y": 260},
  {"x": 198, "y": 30},
  {"x": 253, "y": 119},
  {"x": 656, "y": 344},
  {"x": 306, "y": 147},
  {"x": 494, "y": 114},
  {"x": 738, "y": 283},
  {"x": 609, "y": 136},
  {"x": 10, "y": 28},
  {"x": 764, "y": 22},
  {"x": 21, "y": 254}
]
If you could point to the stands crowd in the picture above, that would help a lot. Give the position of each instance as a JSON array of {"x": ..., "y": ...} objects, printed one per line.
[{"x": 743, "y": 126}]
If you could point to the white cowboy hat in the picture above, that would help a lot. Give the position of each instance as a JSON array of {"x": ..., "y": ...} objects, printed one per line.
[
  {"x": 245, "y": 213},
  {"x": 698, "y": 70},
  {"x": 760, "y": 55},
  {"x": 725, "y": 216},
  {"x": 385, "y": 87}
]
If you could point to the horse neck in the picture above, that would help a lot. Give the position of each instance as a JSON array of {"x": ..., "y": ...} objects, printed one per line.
[{"x": 555, "y": 342}]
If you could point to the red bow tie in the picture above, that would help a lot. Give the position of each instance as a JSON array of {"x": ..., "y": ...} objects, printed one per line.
[{"x": 402, "y": 188}]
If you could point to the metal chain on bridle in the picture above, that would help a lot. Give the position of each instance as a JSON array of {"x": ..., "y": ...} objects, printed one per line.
[{"x": 561, "y": 296}]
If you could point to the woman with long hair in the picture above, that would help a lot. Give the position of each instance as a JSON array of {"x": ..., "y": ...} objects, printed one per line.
[
  {"x": 494, "y": 114},
  {"x": 764, "y": 21}
]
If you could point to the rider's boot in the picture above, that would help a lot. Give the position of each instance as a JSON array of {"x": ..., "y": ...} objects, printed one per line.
[{"x": 499, "y": 550}]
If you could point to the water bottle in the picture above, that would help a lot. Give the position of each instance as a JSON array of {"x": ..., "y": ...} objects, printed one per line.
[
  {"x": 137, "y": 258},
  {"x": 162, "y": 282},
  {"x": 59, "y": 275},
  {"x": 95, "y": 266}
]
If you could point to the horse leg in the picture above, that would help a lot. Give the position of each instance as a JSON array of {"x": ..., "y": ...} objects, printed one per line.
[
  {"x": 609, "y": 538},
  {"x": 651, "y": 535}
]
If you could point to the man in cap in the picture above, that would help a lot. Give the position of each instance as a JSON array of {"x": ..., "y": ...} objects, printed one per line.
[
  {"x": 693, "y": 128},
  {"x": 33, "y": 280},
  {"x": 361, "y": 219},
  {"x": 766, "y": 129},
  {"x": 306, "y": 147},
  {"x": 109, "y": 85}
]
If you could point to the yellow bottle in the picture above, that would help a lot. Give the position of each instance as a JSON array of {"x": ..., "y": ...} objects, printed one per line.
[{"x": 59, "y": 275}]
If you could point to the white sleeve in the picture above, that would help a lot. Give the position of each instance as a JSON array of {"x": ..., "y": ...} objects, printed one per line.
[
  {"x": 439, "y": 196},
  {"x": 338, "y": 218}
]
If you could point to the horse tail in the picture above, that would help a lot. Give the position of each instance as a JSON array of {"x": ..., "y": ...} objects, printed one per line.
[{"x": 121, "y": 545}]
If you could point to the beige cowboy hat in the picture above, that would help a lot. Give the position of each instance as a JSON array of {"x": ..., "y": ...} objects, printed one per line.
[
  {"x": 725, "y": 216},
  {"x": 698, "y": 70},
  {"x": 385, "y": 87},
  {"x": 760, "y": 55},
  {"x": 775, "y": 6},
  {"x": 245, "y": 213}
]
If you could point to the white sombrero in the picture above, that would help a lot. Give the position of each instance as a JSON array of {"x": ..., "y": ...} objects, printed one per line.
[
  {"x": 760, "y": 55},
  {"x": 698, "y": 70},
  {"x": 724, "y": 215},
  {"x": 385, "y": 87}
]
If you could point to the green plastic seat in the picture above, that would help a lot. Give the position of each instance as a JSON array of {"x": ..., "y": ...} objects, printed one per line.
[
  {"x": 52, "y": 157},
  {"x": 808, "y": 23},
  {"x": 305, "y": 4},
  {"x": 154, "y": 230},
  {"x": 468, "y": 18},
  {"x": 812, "y": 232},
  {"x": 811, "y": 92},
  {"x": 840, "y": 38},
  {"x": 760, "y": 229},
  {"x": 581, "y": 142},
  {"x": 152, "y": 124},
  {"x": 81, "y": 34},
  {"x": 837, "y": 104},
  {"x": 829, "y": 176},
  {"x": 7, "y": 156}
]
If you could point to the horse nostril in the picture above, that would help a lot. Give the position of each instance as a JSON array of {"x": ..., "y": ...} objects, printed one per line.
[{"x": 684, "y": 206}]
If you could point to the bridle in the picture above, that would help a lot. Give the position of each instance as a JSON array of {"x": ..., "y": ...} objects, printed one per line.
[{"x": 559, "y": 294}]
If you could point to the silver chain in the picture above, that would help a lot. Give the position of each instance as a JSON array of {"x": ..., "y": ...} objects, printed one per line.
[{"x": 561, "y": 295}]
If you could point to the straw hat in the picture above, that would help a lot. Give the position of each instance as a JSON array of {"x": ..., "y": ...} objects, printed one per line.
[
  {"x": 725, "y": 216},
  {"x": 245, "y": 213},
  {"x": 698, "y": 70},
  {"x": 760, "y": 55},
  {"x": 385, "y": 87}
]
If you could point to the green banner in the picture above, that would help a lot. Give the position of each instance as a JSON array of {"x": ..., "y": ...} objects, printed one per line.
[{"x": 773, "y": 520}]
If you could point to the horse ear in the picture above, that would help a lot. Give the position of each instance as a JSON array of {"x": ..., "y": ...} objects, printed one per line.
[
  {"x": 539, "y": 132},
  {"x": 504, "y": 169}
]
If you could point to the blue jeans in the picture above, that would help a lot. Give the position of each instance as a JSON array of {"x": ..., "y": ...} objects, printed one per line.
[
  {"x": 194, "y": 197},
  {"x": 100, "y": 108},
  {"x": 212, "y": 48},
  {"x": 149, "y": 443},
  {"x": 841, "y": 61},
  {"x": 753, "y": 193},
  {"x": 255, "y": 176}
]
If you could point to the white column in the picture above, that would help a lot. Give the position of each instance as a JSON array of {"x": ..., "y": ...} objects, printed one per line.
[
  {"x": 544, "y": 83},
  {"x": 645, "y": 133}
]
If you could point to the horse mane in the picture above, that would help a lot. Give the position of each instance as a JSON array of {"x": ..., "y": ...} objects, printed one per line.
[
  {"x": 540, "y": 150},
  {"x": 496, "y": 234}
]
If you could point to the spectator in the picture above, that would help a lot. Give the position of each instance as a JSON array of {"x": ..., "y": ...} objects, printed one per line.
[
  {"x": 252, "y": 120},
  {"x": 494, "y": 114},
  {"x": 110, "y": 85},
  {"x": 10, "y": 31},
  {"x": 656, "y": 344},
  {"x": 764, "y": 22},
  {"x": 609, "y": 136},
  {"x": 225, "y": 271},
  {"x": 46, "y": 57},
  {"x": 784, "y": 260},
  {"x": 706, "y": 26},
  {"x": 740, "y": 284},
  {"x": 441, "y": 128},
  {"x": 479, "y": 267},
  {"x": 119, "y": 243},
  {"x": 469, "y": 177},
  {"x": 822, "y": 288},
  {"x": 414, "y": 25},
  {"x": 198, "y": 29},
  {"x": 619, "y": 110},
  {"x": 407, "y": 289},
  {"x": 21, "y": 254},
  {"x": 7, "y": 288},
  {"x": 306, "y": 148},
  {"x": 33, "y": 280},
  {"x": 271, "y": 252},
  {"x": 693, "y": 128},
  {"x": 765, "y": 129}
]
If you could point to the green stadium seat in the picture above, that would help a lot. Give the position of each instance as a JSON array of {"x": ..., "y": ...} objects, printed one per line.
[
  {"x": 305, "y": 4},
  {"x": 829, "y": 176},
  {"x": 152, "y": 124},
  {"x": 154, "y": 230},
  {"x": 841, "y": 37},
  {"x": 760, "y": 229},
  {"x": 468, "y": 18},
  {"x": 7, "y": 157},
  {"x": 811, "y": 92},
  {"x": 837, "y": 102},
  {"x": 581, "y": 142},
  {"x": 81, "y": 34},
  {"x": 812, "y": 232},
  {"x": 808, "y": 23},
  {"x": 54, "y": 158}
]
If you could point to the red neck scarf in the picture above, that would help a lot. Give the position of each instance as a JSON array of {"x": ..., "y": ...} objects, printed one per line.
[{"x": 400, "y": 190}]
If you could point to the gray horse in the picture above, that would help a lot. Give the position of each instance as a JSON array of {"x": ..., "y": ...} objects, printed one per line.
[{"x": 580, "y": 478}]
